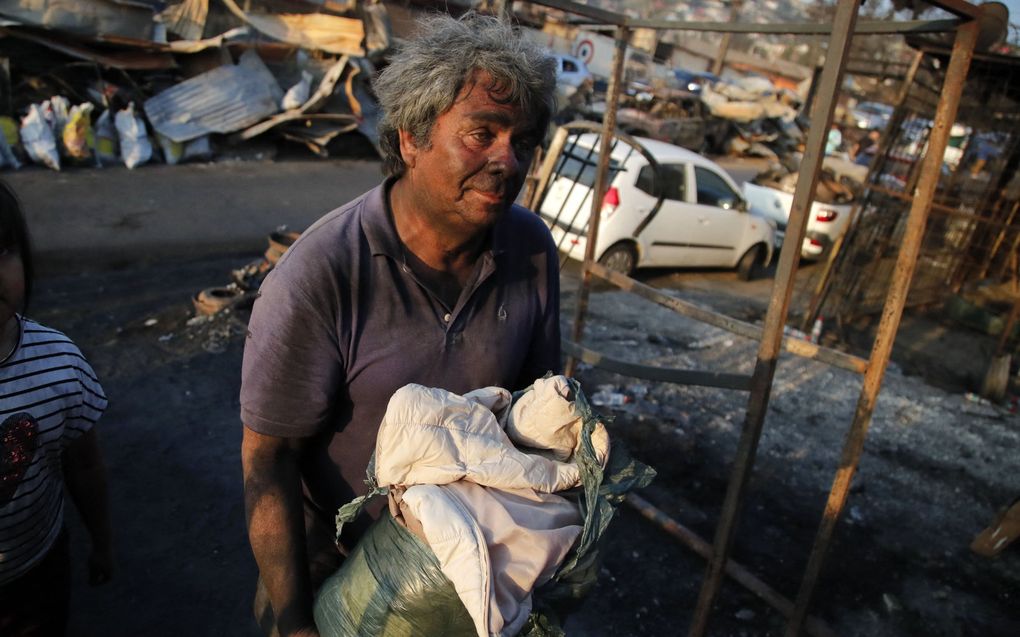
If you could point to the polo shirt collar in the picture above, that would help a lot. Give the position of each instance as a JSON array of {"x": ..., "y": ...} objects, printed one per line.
[{"x": 381, "y": 233}]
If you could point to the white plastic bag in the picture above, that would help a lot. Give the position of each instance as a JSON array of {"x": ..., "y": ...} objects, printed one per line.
[
  {"x": 297, "y": 94},
  {"x": 106, "y": 139},
  {"x": 37, "y": 138},
  {"x": 135, "y": 148}
]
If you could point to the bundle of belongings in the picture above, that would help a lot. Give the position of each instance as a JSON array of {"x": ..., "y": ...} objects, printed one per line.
[{"x": 497, "y": 503}]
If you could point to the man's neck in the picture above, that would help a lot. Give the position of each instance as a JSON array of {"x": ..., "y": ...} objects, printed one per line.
[{"x": 439, "y": 246}]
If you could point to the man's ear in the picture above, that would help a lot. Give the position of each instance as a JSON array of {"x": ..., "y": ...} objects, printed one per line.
[{"x": 408, "y": 149}]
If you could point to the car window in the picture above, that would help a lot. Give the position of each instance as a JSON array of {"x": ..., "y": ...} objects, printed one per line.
[
  {"x": 569, "y": 66},
  {"x": 578, "y": 165},
  {"x": 670, "y": 183},
  {"x": 712, "y": 190}
]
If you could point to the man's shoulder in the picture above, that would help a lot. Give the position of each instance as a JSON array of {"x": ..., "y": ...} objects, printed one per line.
[{"x": 525, "y": 224}]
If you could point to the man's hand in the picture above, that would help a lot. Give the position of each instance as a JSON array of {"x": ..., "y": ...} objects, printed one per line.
[{"x": 276, "y": 528}]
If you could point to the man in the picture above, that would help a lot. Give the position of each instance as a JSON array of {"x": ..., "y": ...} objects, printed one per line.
[
  {"x": 434, "y": 277},
  {"x": 833, "y": 140},
  {"x": 867, "y": 148}
]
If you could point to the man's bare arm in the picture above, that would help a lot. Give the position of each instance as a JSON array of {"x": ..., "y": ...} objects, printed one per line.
[{"x": 276, "y": 528}]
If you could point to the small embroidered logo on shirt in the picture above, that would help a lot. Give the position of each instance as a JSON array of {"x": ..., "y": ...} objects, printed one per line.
[{"x": 502, "y": 313}]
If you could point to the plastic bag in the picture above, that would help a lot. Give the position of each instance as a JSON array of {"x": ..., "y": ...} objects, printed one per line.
[
  {"x": 8, "y": 141},
  {"x": 37, "y": 138},
  {"x": 106, "y": 139},
  {"x": 297, "y": 94},
  {"x": 135, "y": 148},
  {"x": 198, "y": 148},
  {"x": 390, "y": 586},
  {"x": 173, "y": 151},
  {"x": 57, "y": 110},
  {"x": 381, "y": 586},
  {"x": 78, "y": 137}
]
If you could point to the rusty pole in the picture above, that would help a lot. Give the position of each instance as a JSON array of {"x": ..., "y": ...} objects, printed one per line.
[
  {"x": 724, "y": 43},
  {"x": 874, "y": 172},
  {"x": 605, "y": 148},
  {"x": 999, "y": 239},
  {"x": 779, "y": 305},
  {"x": 945, "y": 115},
  {"x": 815, "y": 626}
]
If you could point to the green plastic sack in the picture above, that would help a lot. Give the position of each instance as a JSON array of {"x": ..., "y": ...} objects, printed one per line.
[{"x": 392, "y": 586}]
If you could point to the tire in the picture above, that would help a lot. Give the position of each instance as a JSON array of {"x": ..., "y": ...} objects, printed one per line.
[
  {"x": 279, "y": 242},
  {"x": 620, "y": 258},
  {"x": 213, "y": 300},
  {"x": 749, "y": 264}
]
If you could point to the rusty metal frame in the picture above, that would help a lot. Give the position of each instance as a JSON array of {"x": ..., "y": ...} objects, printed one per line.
[
  {"x": 782, "y": 291},
  {"x": 841, "y": 32},
  {"x": 952, "y": 88}
]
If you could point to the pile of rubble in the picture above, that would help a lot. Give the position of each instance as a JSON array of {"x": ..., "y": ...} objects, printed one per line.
[
  {"x": 126, "y": 82},
  {"x": 763, "y": 121},
  {"x": 746, "y": 117}
]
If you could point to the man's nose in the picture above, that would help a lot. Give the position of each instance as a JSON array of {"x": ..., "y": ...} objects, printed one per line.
[{"x": 504, "y": 158}]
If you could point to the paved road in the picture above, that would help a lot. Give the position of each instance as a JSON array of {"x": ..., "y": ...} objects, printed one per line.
[{"x": 115, "y": 216}]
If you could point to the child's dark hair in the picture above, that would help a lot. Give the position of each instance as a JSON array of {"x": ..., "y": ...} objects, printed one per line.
[{"x": 14, "y": 233}]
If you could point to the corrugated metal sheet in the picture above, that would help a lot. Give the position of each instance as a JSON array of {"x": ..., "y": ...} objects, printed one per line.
[
  {"x": 136, "y": 59},
  {"x": 90, "y": 18},
  {"x": 224, "y": 100},
  {"x": 317, "y": 31}
]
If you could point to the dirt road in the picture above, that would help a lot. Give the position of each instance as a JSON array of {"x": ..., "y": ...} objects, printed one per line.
[{"x": 936, "y": 465}]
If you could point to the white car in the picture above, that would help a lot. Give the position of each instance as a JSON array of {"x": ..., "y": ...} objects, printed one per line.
[
  {"x": 665, "y": 207},
  {"x": 571, "y": 71},
  {"x": 828, "y": 221}
]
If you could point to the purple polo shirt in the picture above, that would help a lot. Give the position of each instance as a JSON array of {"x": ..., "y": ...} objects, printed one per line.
[{"x": 342, "y": 322}]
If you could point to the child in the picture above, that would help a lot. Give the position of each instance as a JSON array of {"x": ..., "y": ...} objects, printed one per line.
[{"x": 49, "y": 401}]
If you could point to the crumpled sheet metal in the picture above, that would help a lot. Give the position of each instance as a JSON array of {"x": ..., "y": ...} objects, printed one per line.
[
  {"x": 132, "y": 60},
  {"x": 316, "y": 31},
  {"x": 312, "y": 105},
  {"x": 224, "y": 100},
  {"x": 91, "y": 18},
  {"x": 187, "y": 19}
]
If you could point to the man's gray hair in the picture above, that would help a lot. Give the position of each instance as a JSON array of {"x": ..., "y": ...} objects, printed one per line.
[{"x": 428, "y": 73}]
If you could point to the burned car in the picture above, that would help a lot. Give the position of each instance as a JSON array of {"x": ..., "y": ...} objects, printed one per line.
[{"x": 674, "y": 116}]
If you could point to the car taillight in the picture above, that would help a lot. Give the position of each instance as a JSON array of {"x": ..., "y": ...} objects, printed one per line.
[
  {"x": 825, "y": 214},
  {"x": 815, "y": 243},
  {"x": 611, "y": 201}
]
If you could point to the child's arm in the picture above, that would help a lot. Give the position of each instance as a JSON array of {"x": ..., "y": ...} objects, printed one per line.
[{"x": 85, "y": 476}]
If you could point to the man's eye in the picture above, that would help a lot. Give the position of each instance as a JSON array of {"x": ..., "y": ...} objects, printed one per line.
[{"x": 483, "y": 136}]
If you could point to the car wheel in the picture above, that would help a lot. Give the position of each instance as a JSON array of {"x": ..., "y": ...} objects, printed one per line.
[
  {"x": 748, "y": 265},
  {"x": 620, "y": 258}
]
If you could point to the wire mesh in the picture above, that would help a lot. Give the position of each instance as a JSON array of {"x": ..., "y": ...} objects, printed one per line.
[{"x": 973, "y": 228}]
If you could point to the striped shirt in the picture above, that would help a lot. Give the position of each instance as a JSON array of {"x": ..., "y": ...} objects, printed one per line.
[{"x": 49, "y": 396}]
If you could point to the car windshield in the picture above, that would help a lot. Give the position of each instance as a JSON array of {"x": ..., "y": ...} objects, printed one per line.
[{"x": 581, "y": 165}]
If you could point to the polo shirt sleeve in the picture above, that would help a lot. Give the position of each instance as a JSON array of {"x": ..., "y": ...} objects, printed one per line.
[{"x": 292, "y": 366}]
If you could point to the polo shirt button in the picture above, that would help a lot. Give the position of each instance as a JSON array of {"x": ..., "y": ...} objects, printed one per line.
[{"x": 446, "y": 318}]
